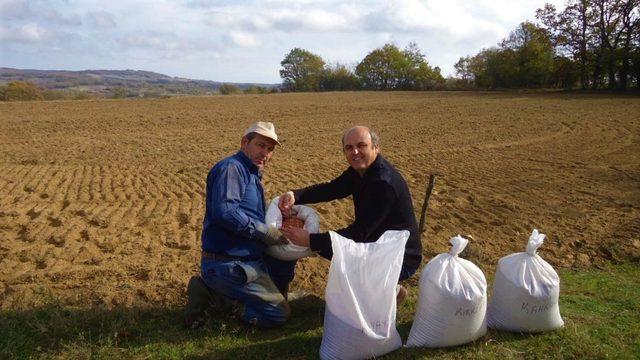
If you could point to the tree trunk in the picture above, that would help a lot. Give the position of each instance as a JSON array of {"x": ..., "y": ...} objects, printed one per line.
[
  {"x": 611, "y": 71},
  {"x": 624, "y": 69}
]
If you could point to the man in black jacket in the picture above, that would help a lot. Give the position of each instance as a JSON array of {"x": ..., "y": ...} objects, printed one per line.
[{"x": 381, "y": 201}]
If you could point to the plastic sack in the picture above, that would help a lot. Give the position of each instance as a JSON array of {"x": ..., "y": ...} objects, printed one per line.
[
  {"x": 290, "y": 251},
  {"x": 525, "y": 292},
  {"x": 360, "y": 312},
  {"x": 452, "y": 303}
]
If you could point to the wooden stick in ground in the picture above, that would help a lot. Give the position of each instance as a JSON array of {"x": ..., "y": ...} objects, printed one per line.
[{"x": 425, "y": 204}]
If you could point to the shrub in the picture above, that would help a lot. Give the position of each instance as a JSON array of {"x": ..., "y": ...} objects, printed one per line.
[
  {"x": 20, "y": 91},
  {"x": 229, "y": 89},
  {"x": 119, "y": 93},
  {"x": 256, "y": 90}
]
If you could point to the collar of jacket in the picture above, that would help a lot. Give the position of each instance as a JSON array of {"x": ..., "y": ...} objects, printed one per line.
[
  {"x": 375, "y": 166},
  {"x": 244, "y": 159}
]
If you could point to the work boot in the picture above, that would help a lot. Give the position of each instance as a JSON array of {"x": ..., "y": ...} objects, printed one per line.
[
  {"x": 401, "y": 294},
  {"x": 199, "y": 299}
]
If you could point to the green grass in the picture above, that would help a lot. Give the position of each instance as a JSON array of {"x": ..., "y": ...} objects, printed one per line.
[{"x": 601, "y": 309}]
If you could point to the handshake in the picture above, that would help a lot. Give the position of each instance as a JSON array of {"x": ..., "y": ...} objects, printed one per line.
[{"x": 292, "y": 228}]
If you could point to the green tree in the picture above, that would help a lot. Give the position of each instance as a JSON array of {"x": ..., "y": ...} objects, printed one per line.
[
  {"x": 478, "y": 67},
  {"x": 382, "y": 69},
  {"x": 463, "y": 69},
  {"x": 389, "y": 68},
  {"x": 301, "y": 70},
  {"x": 524, "y": 59},
  {"x": 417, "y": 74},
  {"x": 534, "y": 54},
  {"x": 571, "y": 32},
  {"x": 565, "y": 73},
  {"x": 630, "y": 30},
  {"x": 634, "y": 68},
  {"x": 502, "y": 69},
  {"x": 601, "y": 37},
  {"x": 338, "y": 78},
  {"x": 253, "y": 89},
  {"x": 229, "y": 89},
  {"x": 20, "y": 91}
]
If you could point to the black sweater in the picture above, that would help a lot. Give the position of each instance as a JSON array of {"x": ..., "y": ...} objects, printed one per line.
[{"x": 382, "y": 202}]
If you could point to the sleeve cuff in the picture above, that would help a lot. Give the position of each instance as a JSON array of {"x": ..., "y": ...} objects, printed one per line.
[
  {"x": 296, "y": 195},
  {"x": 261, "y": 230}
]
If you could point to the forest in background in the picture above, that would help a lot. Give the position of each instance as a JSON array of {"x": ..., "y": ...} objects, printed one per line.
[{"x": 588, "y": 45}]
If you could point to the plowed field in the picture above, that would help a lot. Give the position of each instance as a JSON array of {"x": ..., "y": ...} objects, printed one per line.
[{"x": 101, "y": 202}]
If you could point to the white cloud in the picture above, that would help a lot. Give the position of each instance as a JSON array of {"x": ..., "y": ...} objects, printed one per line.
[
  {"x": 222, "y": 35},
  {"x": 244, "y": 39},
  {"x": 100, "y": 19},
  {"x": 11, "y": 9},
  {"x": 28, "y": 33}
]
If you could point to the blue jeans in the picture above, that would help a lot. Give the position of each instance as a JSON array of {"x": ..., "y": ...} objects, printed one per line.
[
  {"x": 249, "y": 283},
  {"x": 280, "y": 271}
]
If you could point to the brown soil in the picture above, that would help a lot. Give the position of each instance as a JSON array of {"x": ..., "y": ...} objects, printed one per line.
[{"x": 101, "y": 202}]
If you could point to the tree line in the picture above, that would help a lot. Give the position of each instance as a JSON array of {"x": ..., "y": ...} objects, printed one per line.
[
  {"x": 590, "y": 44},
  {"x": 19, "y": 90},
  {"x": 385, "y": 68}
]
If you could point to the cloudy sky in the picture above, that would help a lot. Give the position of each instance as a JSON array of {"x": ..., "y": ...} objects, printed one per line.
[{"x": 244, "y": 41}]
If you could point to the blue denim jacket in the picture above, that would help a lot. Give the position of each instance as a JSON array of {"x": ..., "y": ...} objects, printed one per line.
[{"x": 235, "y": 209}]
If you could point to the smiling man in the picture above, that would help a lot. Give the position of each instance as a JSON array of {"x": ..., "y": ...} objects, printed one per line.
[
  {"x": 381, "y": 201},
  {"x": 234, "y": 235}
]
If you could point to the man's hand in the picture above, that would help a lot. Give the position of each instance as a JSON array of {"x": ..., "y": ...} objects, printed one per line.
[
  {"x": 286, "y": 203},
  {"x": 297, "y": 236},
  {"x": 274, "y": 237}
]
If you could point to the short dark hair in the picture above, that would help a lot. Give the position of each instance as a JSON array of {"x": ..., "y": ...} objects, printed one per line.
[{"x": 251, "y": 135}]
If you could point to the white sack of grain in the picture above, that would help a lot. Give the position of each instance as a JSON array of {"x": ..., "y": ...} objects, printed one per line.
[
  {"x": 360, "y": 312},
  {"x": 525, "y": 292},
  {"x": 290, "y": 251},
  {"x": 452, "y": 302}
]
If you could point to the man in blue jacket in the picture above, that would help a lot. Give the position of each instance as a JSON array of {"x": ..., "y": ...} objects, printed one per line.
[
  {"x": 234, "y": 236},
  {"x": 381, "y": 201}
]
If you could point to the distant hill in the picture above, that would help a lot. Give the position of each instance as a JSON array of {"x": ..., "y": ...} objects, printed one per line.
[{"x": 104, "y": 82}]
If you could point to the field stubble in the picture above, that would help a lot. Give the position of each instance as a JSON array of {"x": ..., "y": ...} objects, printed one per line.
[{"x": 101, "y": 202}]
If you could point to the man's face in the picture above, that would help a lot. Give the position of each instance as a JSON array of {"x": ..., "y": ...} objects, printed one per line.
[
  {"x": 359, "y": 150},
  {"x": 259, "y": 149}
]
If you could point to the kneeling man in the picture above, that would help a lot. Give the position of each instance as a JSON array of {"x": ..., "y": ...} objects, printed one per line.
[
  {"x": 381, "y": 201},
  {"x": 234, "y": 236}
]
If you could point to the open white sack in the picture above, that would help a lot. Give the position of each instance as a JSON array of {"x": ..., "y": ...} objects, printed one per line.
[
  {"x": 452, "y": 303},
  {"x": 290, "y": 251},
  {"x": 525, "y": 292},
  {"x": 360, "y": 312}
]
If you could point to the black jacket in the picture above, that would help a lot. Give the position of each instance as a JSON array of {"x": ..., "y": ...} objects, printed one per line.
[{"x": 382, "y": 202}]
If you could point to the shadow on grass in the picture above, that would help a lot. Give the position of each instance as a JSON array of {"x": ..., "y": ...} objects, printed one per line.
[
  {"x": 159, "y": 333},
  {"x": 55, "y": 329}
]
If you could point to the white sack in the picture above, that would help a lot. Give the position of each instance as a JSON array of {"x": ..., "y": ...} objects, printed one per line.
[
  {"x": 291, "y": 251},
  {"x": 525, "y": 292},
  {"x": 452, "y": 303},
  {"x": 360, "y": 312}
]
